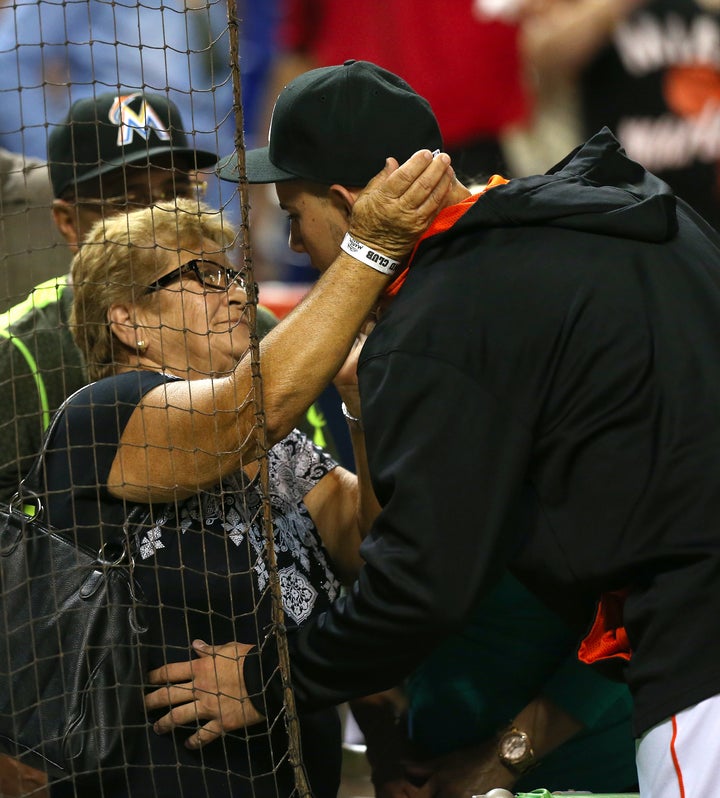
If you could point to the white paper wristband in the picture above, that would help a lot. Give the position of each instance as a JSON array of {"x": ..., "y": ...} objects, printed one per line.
[{"x": 368, "y": 256}]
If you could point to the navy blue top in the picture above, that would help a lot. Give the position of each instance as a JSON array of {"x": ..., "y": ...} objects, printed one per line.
[{"x": 202, "y": 570}]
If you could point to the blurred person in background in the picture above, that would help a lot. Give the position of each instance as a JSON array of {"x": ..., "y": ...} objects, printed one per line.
[
  {"x": 648, "y": 69},
  {"x": 31, "y": 249},
  {"x": 62, "y": 52}
]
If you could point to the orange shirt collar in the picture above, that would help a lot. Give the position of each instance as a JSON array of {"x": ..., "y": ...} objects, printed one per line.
[{"x": 443, "y": 221}]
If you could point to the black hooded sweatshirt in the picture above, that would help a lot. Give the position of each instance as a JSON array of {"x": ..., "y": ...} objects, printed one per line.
[{"x": 543, "y": 394}]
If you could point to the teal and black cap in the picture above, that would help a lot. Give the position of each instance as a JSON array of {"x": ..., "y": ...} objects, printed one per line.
[
  {"x": 108, "y": 131},
  {"x": 338, "y": 124}
]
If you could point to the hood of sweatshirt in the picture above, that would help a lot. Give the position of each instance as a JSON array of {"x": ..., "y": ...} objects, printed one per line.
[{"x": 596, "y": 188}]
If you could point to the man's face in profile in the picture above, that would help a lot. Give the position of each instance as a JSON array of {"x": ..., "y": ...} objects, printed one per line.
[{"x": 318, "y": 220}]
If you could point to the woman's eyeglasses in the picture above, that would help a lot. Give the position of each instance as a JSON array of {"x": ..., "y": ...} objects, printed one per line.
[{"x": 211, "y": 276}]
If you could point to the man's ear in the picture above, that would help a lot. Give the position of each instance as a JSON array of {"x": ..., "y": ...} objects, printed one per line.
[
  {"x": 123, "y": 324},
  {"x": 343, "y": 198},
  {"x": 65, "y": 218}
]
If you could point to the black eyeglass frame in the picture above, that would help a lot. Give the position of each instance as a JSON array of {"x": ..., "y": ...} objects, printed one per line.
[{"x": 233, "y": 276}]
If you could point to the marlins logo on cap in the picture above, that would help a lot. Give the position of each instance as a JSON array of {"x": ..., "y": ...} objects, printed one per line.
[{"x": 130, "y": 121}]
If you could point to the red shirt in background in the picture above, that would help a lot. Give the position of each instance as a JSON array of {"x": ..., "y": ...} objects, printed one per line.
[{"x": 466, "y": 66}]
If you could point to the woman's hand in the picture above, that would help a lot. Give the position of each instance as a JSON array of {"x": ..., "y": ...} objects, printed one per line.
[
  {"x": 210, "y": 688},
  {"x": 398, "y": 205}
]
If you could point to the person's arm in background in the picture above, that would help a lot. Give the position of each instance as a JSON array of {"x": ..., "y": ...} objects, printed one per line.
[
  {"x": 382, "y": 716},
  {"x": 347, "y": 386},
  {"x": 557, "y": 40},
  {"x": 562, "y": 36},
  {"x": 343, "y": 504}
]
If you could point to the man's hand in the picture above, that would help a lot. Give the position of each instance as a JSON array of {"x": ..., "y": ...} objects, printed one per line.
[
  {"x": 399, "y": 203},
  {"x": 210, "y": 688},
  {"x": 460, "y": 774}
]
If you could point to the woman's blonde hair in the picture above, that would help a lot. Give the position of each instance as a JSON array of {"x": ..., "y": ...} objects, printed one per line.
[{"x": 120, "y": 258}]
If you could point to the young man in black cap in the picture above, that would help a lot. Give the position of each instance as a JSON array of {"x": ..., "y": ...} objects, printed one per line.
[
  {"x": 314, "y": 181},
  {"x": 543, "y": 392},
  {"x": 111, "y": 154}
]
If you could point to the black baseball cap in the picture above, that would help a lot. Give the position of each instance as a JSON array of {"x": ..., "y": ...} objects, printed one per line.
[
  {"x": 338, "y": 124},
  {"x": 111, "y": 130}
]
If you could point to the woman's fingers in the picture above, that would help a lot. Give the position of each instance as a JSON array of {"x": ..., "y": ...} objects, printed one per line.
[{"x": 397, "y": 207}]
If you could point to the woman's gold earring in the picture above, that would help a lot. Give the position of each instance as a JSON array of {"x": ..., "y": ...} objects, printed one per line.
[{"x": 141, "y": 345}]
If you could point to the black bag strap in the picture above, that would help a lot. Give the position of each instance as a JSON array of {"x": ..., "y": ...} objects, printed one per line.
[
  {"x": 30, "y": 493},
  {"x": 31, "y": 485},
  {"x": 30, "y": 489}
]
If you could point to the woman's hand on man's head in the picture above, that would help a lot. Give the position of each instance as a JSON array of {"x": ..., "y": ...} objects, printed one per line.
[{"x": 399, "y": 203}]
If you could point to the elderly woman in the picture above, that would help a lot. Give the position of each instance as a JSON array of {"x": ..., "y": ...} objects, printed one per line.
[
  {"x": 169, "y": 423},
  {"x": 162, "y": 318}
]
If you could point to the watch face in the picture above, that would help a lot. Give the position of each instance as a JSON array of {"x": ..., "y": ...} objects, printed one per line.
[{"x": 514, "y": 746}]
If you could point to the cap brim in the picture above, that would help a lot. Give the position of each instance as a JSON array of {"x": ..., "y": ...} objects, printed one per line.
[
  {"x": 197, "y": 159},
  {"x": 258, "y": 167}
]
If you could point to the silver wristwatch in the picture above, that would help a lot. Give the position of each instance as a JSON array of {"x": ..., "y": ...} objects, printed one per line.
[{"x": 515, "y": 751}]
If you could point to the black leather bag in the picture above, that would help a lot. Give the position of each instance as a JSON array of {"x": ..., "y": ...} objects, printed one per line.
[{"x": 72, "y": 622}]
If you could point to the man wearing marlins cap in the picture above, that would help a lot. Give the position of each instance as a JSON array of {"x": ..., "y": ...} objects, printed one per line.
[
  {"x": 544, "y": 394},
  {"x": 111, "y": 154}
]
